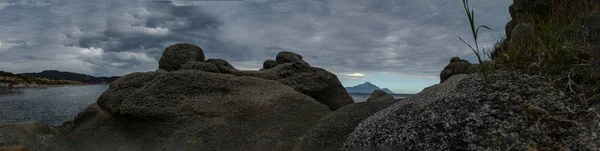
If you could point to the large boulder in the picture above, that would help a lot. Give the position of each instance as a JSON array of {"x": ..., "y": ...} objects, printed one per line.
[
  {"x": 511, "y": 111},
  {"x": 202, "y": 66},
  {"x": 222, "y": 65},
  {"x": 177, "y": 55},
  {"x": 318, "y": 83},
  {"x": 268, "y": 64},
  {"x": 455, "y": 67},
  {"x": 32, "y": 136},
  {"x": 331, "y": 131},
  {"x": 189, "y": 109}
]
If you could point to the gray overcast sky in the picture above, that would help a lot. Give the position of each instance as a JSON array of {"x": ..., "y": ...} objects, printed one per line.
[{"x": 352, "y": 38}]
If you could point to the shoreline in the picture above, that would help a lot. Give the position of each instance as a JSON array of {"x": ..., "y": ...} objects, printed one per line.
[{"x": 8, "y": 91}]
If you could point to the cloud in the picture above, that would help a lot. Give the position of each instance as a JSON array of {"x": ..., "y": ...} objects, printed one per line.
[
  {"x": 402, "y": 37},
  {"x": 356, "y": 75}
]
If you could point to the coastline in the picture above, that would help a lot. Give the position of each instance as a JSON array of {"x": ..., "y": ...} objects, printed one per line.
[{"x": 7, "y": 91}]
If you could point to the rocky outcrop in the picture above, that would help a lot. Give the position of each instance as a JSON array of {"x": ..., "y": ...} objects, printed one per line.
[
  {"x": 32, "y": 136},
  {"x": 222, "y": 65},
  {"x": 318, "y": 83},
  {"x": 331, "y": 131},
  {"x": 582, "y": 24},
  {"x": 177, "y": 55},
  {"x": 195, "y": 105},
  {"x": 511, "y": 111},
  {"x": 379, "y": 95},
  {"x": 200, "y": 110},
  {"x": 289, "y": 69},
  {"x": 268, "y": 64},
  {"x": 455, "y": 67},
  {"x": 202, "y": 66}
]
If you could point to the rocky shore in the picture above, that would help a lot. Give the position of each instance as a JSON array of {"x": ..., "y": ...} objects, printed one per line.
[{"x": 194, "y": 103}]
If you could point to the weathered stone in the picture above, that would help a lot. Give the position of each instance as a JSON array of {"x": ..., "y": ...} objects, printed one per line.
[
  {"x": 202, "y": 66},
  {"x": 177, "y": 55},
  {"x": 268, "y": 64},
  {"x": 511, "y": 111},
  {"x": 189, "y": 109},
  {"x": 331, "y": 131},
  {"x": 33, "y": 136},
  {"x": 222, "y": 65},
  {"x": 455, "y": 67},
  {"x": 379, "y": 95},
  {"x": 318, "y": 83}
]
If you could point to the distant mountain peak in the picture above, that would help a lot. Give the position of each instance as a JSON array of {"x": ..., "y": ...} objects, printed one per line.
[
  {"x": 64, "y": 75},
  {"x": 366, "y": 87}
]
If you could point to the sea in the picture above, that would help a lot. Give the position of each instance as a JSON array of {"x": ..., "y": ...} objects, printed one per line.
[{"x": 54, "y": 105}]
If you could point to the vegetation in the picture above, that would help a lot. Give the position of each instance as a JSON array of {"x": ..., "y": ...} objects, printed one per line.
[
  {"x": 475, "y": 31},
  {"x": 6, "y": 77},
  {"x": 558, "y": 39}
]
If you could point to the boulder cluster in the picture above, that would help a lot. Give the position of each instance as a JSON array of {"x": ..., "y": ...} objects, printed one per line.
[{"x": 190, "y": 103}]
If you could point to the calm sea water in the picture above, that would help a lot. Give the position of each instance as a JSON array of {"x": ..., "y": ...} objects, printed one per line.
[
  {"x": 54, "y": 105},
  {"x": 361, "y": 97}
]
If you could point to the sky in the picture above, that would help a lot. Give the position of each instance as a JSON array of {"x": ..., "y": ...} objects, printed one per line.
[{"x": 397, "y": 44}]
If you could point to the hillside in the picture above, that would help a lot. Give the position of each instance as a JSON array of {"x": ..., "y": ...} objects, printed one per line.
[
  {"x": 6, "y": 77},
  {"x": 60, "y": 75},
  {"x": 366, "y": 87}
]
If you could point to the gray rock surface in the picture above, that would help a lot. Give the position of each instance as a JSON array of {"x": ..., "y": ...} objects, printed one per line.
[
  {"x": 199, "y": 110},
  {"x": 379, "y": 95},
  {"x": 177, "y": 55},
  {"x": 287, "y": 57},
  {"x": 522, "y": 36},
  {"x": 331, "y": 131},
  {"x": 222, "y": 65},
  {"x": 33, "y": 136},
  {"x": 202, "y": 66},
  {"x": 318, "y": 83},
  {"x": 268, "y": 64},
  {"x": 455, "y": 67},
  {"x": 511, "y": 112}
]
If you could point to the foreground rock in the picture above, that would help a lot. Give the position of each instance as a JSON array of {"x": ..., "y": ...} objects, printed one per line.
[
  {"x": 455, "y": 67},
  {"x": 177, "y": 55},
  {"x": 332, "y": 130},
  {"x": 32, "y": 136},
  {"x": 189, "y": 109},
  {"x": 512, "y": 112}
]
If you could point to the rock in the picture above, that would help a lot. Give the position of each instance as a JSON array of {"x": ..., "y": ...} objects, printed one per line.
[
  {"x": 117, "y": 92},
  {"x": 511, "y": 111},
  {"x": 268, "y": 64},
  {"x": 522, "y": 36},
  {"x": 177, "y": 55},
  {"x": 222, "y": 65},
  {"x": 331, "y": 131},
  {"x": 286, "y": 56},
  {"x": 189, "y": 109},
  {"x": 98, "y": 129},
  {"x": 33, "y": 136},
  {"x": 14, "y": 148},
  {"x": 318, "y": 83},
  {"x": 159, "y": 70},
  {"x": 202, "y": 66},
  {"x": 457, "y": 66},
  {"x": 379, "y": 95}
]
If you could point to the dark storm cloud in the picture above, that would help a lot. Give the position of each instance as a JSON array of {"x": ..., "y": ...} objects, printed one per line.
[{"x": 405, "y": 37}]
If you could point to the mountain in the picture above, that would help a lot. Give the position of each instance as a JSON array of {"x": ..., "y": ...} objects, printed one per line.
[
  {"x": 366, "y": 87},
  {"x": 7, "y": 77},
  {"x": 60, "y": 75}
]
